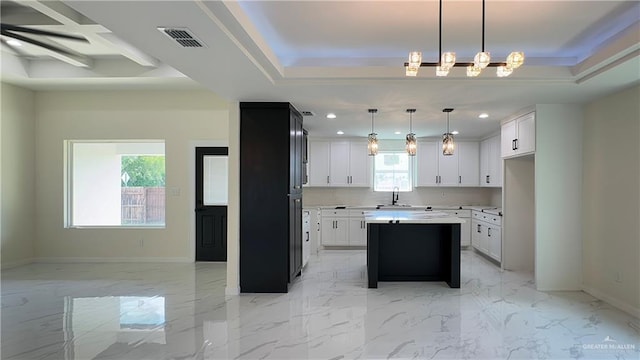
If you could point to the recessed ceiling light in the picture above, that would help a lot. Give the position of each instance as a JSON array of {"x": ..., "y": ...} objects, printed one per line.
[
  {"x": 483, "y": 116},
  {"x": 331, "y": 116},
  {"x": 455, "y": 132},
  {"x": 340, "y": 132},
  {"x": 397, "y": 133},
  {"x": 14, "y": 42}
]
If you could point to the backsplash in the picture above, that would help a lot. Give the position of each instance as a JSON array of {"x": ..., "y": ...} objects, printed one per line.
[{"x": 317, "y": 196}]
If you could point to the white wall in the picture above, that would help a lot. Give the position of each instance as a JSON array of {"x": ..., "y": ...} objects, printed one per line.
[
  {"x": 558, "y": 197},
  {"x": 611, "y": 192},
  {"x": 178, "y": 117},
  {"x": 518, "y": 225},
  {"x": 233, "y": 210},
  {"x": 17, "y": 143}
]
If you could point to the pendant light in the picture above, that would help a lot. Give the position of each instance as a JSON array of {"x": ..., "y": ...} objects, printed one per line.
[
  {"x": 411, "y": 144},
  {"x": 372, "y": 144},
  {"x": 448, "y": 145}
]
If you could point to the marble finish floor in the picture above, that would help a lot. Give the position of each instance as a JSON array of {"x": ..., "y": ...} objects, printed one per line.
[{"x": 179, "y": 311}]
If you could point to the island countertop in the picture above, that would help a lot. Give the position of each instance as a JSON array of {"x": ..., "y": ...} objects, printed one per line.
[{"x": 410, "y": 217}]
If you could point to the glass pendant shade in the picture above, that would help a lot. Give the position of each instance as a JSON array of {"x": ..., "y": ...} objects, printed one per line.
[
  {"x": 448, "y": 60},
  {"x": 515, "y": 59},
  {"x": 482, "y": 60},
  {"x": 372, "y": 145},
  {"x": 440, "y": 71},
  {"x": 411, "y": 144},
  {"x": 448, "y": 145},
  {"x": 503, "y": 71},
  {"x": 473, "y": 71}
]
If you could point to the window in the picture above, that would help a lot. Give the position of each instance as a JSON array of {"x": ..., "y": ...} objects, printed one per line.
[
  {"x": 115, "y": 183},
  {"x": 392, "y": 169}
]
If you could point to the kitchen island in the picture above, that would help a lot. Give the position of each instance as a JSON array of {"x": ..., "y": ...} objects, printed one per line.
[{"x": 410, "y": 245}]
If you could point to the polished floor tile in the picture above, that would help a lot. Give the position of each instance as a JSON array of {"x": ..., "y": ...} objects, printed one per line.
[{"x": 179, "y": 311}]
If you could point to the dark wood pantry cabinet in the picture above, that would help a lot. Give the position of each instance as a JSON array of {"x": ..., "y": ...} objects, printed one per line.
[{"x": 271, "y": 150}]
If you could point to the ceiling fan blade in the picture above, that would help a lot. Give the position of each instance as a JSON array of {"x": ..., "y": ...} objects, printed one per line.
[
  {"x": 37, "y": 43},
  {"x": 26, "y": 30}
]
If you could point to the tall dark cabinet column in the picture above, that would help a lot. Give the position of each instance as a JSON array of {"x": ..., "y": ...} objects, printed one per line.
[{"x": 271, "y": 145}]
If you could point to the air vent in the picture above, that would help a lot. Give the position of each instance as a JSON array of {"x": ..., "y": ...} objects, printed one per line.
[
  {"x": 308, "y": 113},
  {"x": 182, "y": 36}
]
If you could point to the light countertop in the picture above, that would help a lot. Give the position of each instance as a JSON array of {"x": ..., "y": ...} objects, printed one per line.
[{"x": 410, "y": 217}]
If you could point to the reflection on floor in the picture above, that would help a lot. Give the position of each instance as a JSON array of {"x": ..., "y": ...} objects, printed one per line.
[{"x": 179, "y": 311}]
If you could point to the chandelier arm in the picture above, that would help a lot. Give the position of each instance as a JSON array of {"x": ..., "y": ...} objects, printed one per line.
[
  {"x": 482, "y": 25},
  {"x": 439, "y": 36}
]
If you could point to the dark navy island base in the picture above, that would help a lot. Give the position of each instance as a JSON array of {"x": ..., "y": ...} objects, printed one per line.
[{"x": 413, "y": 252}]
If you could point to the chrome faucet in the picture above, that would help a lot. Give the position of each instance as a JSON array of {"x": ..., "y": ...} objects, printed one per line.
[{"x": 394, "y": 195}]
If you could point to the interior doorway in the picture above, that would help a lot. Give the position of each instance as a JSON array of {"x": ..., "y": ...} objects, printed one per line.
[{"x": 211, "y": 200}]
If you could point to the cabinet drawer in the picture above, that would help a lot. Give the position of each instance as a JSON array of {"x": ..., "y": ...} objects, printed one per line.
[
  {"x": 492, "y": 219},
  {"x": 457, "y": 213},
  {"x": 357, "y": 212},
  {"x": 477, "y": 214},
  {"x": 336, "y": 212}
]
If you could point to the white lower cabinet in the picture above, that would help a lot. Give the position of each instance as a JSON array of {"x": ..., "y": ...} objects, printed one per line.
[
  {"x": 486, "y": 234},
  {"x": 335, "y": 231},
  {"x": 465, "y": 228},
  {"x": 343, "y": 228}
]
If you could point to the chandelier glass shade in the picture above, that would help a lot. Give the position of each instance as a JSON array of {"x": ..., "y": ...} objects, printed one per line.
[
  {"x": 447, "y": 60},
  {"x": 411, "y": 144}
]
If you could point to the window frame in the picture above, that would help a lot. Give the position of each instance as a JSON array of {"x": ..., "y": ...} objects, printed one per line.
[
  {"x": 68, "y": 183},
  {"x": 410, "y": 170}
]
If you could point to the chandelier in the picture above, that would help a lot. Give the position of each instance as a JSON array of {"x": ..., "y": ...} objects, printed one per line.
[{"x": 447, "y": 60}]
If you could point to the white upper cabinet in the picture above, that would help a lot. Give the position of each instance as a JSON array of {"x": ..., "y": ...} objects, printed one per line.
[
  {"x": 359, "y": 164},
  {"x": 519, "y": 136},
  {"x": 319, "y": 163},
  {"x": 436, "y": 169},
  {"x": 490, "y": 162},
  {"x": 427, "y": 163},
  {"x": 468, "y": 163},
  {"x": 339, "y": 163}
]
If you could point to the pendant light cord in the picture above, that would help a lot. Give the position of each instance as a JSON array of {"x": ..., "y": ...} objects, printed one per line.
[
  {"x": 372, "y": 122},
  {"x": 440, "y": 35},
  {"x": 482, "y": 25}
]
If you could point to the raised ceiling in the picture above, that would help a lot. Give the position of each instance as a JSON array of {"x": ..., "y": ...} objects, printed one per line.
[{"x": 346, "y": 56}]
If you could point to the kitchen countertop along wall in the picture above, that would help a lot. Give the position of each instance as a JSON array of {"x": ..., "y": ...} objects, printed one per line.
[{"x": 427, "y": 196}]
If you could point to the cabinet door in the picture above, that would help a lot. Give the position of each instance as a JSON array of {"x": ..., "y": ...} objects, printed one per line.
[
  {"x": 494, "y": 237},
  {"x": 465, "y": 233},
  {"x": 357, "y": 232},
  {"x": 427, "y": 161},
  {"x": 448, "y": 167},
  {"x": 508, "y": 135},
  {"x": 339, "y": 163},
  {"x": 476, "y": 234},
  {"x": 295, "y": 153},
  {"x": 318, "y": 163},
  {"x": 495, "y": 162},
  {"x": 359, "y": 164},
  {"x": 468, "y": 163},
  {"x": 328, "y": 231},
  {"x": 342, "y": 231},
  {"x": 485, "y": 147},
  {"x": 295, "y": 237},
  {"x": 526, "y": 142}
]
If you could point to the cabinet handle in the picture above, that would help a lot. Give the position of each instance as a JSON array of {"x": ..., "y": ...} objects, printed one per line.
[
  {"x": 327, "y": 179},
  {"x": 516, "y": 144},
  {"x": 478, "y": 228},
  {"x": 489, "y": 232},
  {"x": 487, "y": 179},
  {"x": 459, "y": 179}
]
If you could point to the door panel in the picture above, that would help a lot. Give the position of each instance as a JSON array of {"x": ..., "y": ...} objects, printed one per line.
[{"x": 211, "y": 203}]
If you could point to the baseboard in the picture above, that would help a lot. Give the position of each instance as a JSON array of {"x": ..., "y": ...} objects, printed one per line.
[
  {"x": 634, "y": 311},
  {"x": 232, "y": 290},
  {"x": 12, "y": 264},
  {"x": 57, "y": 260}
]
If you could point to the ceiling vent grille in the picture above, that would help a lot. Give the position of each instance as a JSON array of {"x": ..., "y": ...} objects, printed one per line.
[
  {"x": 307, "y": 113},
  {"x": 182, "y": 36}
]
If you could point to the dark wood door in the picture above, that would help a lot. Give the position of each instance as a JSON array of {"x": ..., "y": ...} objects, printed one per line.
[{"x": 211, "y": 203}]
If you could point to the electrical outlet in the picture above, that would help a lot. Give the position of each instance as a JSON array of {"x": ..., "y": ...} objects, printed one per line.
[{"x": 618, "y": 277}]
